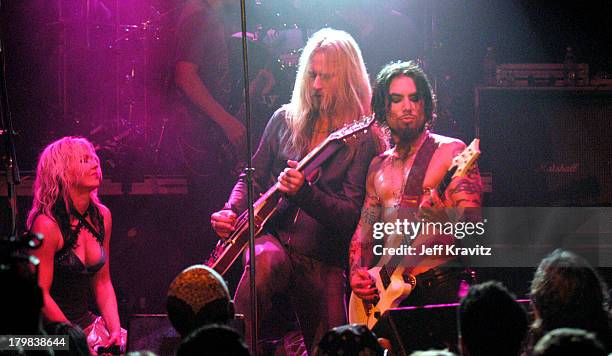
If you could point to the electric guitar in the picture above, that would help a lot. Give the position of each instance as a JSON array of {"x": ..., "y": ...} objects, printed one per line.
[
  {"x": 228, "y": 250},
  {"x": 393, "y": 286}
]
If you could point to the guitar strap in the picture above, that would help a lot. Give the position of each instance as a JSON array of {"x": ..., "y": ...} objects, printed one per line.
[{"x": 413, "y": 188}]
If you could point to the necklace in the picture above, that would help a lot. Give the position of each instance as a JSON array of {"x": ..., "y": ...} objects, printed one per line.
[{"x": 406, "y": 168}]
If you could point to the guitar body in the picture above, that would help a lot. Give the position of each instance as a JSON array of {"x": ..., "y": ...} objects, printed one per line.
[
  {"x": 227, "y": 251},
  {"x": 361, "y": 312}
]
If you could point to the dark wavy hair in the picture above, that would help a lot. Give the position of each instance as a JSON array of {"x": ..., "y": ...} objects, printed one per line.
[
  {"x": 567, "y": 292},
  {"x": 380, "y": 94},
  {"x": 490, "y": 321}
]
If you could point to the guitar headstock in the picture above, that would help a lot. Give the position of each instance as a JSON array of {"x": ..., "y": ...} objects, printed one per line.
[
  {"x": 352, "y": 129},
  {"x": 465, "y": 160}
]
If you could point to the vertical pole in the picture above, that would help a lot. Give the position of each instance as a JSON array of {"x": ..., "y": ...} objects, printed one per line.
[{"x": 249, "y": 173}]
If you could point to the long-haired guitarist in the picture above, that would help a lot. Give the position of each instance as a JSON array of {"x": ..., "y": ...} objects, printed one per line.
[
  {"x": 301, "y": 253},
  {"x": 402, "y": 185}
]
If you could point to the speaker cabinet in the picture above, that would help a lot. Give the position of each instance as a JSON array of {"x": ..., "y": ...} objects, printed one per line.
[
  {"x": 546, "y": 146},
  {"x": 419, "y": 328}
]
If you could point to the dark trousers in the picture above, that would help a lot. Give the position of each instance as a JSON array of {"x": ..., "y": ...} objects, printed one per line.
[{"x": 314, "y": 292}]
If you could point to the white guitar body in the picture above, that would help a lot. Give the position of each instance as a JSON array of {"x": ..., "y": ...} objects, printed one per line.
[{"x": 361, "y": 312}]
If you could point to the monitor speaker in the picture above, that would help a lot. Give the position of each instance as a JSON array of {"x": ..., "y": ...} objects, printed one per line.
[
  {"x": 426, "y": 327},
  {"x": 419, "y": 328}
]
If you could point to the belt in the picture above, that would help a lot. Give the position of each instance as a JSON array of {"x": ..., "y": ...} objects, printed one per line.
[{"x": 444, "y": 272}]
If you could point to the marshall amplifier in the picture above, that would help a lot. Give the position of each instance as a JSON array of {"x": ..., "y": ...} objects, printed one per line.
[{"x": 546, "y": 146}]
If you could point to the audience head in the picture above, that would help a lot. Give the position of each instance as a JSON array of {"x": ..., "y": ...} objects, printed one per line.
[
  {"x": 569, "y": 342},
  {"x": 352, "y": 339},
  {"x": 213, "y": 340},
  {"x": 491, "y": 322},
  {"x": 198, "y": 296},
  {"x": 567, "y": 292}
]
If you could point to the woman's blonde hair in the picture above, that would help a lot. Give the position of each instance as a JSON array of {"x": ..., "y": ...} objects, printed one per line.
[
  {"x": 353, "y": 92},
  {"x": 61, "y": 167}
]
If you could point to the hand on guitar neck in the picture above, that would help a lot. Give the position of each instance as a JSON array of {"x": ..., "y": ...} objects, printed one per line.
[
  {"x": 290, "y": 181},
  {"x": 223, "y": 222}
]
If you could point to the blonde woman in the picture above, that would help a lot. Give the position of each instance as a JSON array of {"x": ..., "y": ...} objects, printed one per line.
[{"x": 74, "y": 257}]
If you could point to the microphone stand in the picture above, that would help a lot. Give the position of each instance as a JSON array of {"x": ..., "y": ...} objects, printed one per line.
[
  {"x": 12, "y": 247},
  {"x": 249, "y": 170},
  {"x": 7, "y": 133}
]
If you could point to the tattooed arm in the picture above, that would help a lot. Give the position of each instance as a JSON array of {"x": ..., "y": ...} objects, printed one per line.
[
  {"x": 360, "y": 252},
  {"x": 462, "y": 192},
  {"x": 465, "y": 194},
  {"x": 461, "y": 202},
  {"x": 466, "y": 191}
]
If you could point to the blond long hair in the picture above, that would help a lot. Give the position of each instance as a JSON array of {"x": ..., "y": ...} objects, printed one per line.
[
  {"x": 352, "y": 99},
  {"x": 59, "y": 168}
]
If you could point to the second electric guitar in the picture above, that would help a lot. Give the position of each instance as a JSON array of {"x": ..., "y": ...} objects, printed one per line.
[{"x": 393, "y": 287}]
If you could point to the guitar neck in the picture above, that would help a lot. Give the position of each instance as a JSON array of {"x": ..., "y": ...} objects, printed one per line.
[
  {"x": 312, "y": 154},
  {"x": 448, "y": 177},
  {"x": 302, "y": 165}
]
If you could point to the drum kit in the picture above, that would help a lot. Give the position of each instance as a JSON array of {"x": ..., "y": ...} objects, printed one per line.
[
  {"x": 107, "y": 65},
  {"x": 103, "y": 68},
  {"x": 121, "y": 59},
  {"x": 129, "y": 69}
]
